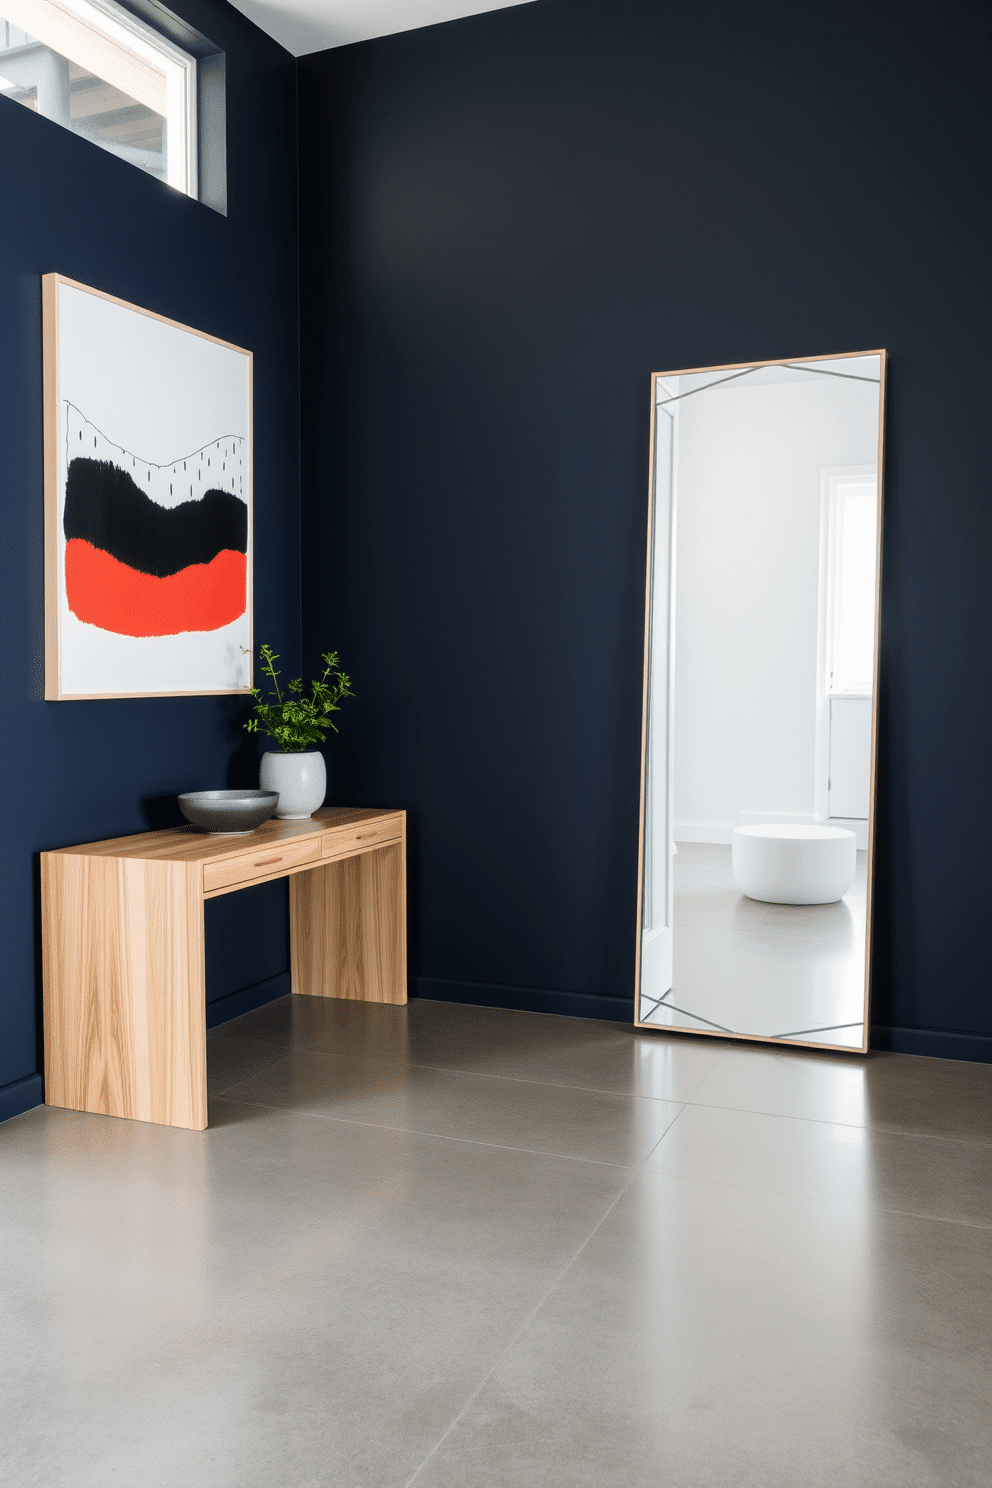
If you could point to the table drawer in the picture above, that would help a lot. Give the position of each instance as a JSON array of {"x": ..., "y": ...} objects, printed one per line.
[
  {"x": 364, "y": 834},
  {"x": 264, "y": 863}
]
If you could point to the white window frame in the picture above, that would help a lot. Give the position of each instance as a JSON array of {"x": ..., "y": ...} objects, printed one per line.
[
  {"x": 832, "y": 478},
  {"x": 868, "y": 475},
  {"x": 122, "y": 50}
]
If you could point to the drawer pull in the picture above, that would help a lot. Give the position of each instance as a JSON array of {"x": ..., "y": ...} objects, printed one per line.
[
  {"x": 265, "y": 862},
  {"x": 363, "y": 836}
]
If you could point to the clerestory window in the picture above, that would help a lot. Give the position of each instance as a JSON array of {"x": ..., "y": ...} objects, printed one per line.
[{"x": 125, "y": 85}]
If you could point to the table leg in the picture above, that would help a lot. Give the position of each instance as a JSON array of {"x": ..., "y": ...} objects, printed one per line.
[
  {"x": 348, "y": 927},
  {"x": 124, "y": 1003}
]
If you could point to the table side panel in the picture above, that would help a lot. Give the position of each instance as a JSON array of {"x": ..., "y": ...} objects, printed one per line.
[
  {"x": 124, "y": 1004},
  {"x": 348, "y": 927}
]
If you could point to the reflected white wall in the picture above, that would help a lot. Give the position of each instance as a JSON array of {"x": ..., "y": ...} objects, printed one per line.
[{"x": 749, "y": 479}]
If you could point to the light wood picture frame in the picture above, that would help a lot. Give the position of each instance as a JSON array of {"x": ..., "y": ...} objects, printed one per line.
[{"x": 149, "y": 494}]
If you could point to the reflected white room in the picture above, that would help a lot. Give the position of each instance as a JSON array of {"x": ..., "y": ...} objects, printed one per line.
[{"x": 758, "y": 762}]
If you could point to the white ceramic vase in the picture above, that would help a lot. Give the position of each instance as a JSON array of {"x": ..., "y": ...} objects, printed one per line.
[{"x": 300, "y": 779}]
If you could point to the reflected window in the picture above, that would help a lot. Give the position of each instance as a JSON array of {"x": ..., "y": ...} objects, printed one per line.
[{"x": 851, "y": 585}]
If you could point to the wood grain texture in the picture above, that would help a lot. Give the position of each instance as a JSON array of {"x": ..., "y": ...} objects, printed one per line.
[
  {"x": 101, "y": 294},
  {"x": 266, "y": 875},
  {"x": 645, "y": 693},
  {"x": 191, "y": 845},
  {"x": 265, "y": 862},
  {"x": 122, "y": 941},
  {"x": 348, "y": 927},
  {"x": 50, "y": 403},
  {"x": 124, "y": 1005},
  {"x": 876, "y": 672},
  {"x": 360, "y": 837}
]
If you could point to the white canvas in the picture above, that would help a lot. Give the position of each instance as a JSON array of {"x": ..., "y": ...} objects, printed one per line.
[{"x": 158, "y": 401}]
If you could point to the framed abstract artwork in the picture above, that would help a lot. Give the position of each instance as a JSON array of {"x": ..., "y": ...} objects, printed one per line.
[{"x": 148, "y": 502}]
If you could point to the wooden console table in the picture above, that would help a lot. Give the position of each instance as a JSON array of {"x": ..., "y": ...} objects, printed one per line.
[{"x": 122, "y": 938}]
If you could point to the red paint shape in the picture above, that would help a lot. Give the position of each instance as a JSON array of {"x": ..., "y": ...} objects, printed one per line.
[{"x": 112, "y": 596}]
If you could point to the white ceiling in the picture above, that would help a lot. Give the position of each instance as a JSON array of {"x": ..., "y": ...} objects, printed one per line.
[{"x": 304, "y": 26}]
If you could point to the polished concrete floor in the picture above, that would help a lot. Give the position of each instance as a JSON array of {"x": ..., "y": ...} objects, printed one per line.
[
  {"x": 794, "y": 971},
  {"x": 457, "y": 1247}
]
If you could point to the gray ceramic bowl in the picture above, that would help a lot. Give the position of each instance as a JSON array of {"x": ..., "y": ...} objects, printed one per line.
[{"x": 229, "y": 813}]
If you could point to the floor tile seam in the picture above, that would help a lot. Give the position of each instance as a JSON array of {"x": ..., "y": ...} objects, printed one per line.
[
  {"x": 505, "y": 1350},
  {"x": 218, "y": 1094},
  {"x": 484, "y": 1007},
  {"x": 460, "y": 1070},
  {"x": 908, "y": 1131},
  {"x": 862, "y": 1206},
  {"x": 869, "y": 1126},
  {"x": 219, "y": 1037},
  {"x": 722, "y": 1053},
  {"x": 664, "y": 1134},
  {"x": 451, "y": 1069},
  {"x": 417, "y": 1131},
  {"x": 696, "y": 1088},
  {"x": 966, "y": 1224},
  {"x": 242, "y": 1043}
]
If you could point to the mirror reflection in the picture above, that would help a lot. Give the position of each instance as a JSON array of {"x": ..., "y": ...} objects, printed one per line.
[{"x": 759, "y": 700}]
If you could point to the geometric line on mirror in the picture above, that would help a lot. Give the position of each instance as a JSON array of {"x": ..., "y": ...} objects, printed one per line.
[
  {"x": 768, "y": 367},
  {"x": 662, "y": 1001},
  {"x": 830, "y": 1028},
  {"x": 656, "y": 1000}
]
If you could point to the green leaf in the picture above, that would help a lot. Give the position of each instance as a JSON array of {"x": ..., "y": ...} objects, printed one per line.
[{"x": 296, "y": 722}]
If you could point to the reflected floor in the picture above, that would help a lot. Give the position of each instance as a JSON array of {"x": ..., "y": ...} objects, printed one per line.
[{"x": 792, "y": 971}]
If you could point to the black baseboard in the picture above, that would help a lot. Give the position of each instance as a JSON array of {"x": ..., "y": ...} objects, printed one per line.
[
  {"x": 247, "y": 999},
  {"x": 20, "y": 1096},
  {"x": 525, "y": 999},
  {"x": 935, "y": 1043}
]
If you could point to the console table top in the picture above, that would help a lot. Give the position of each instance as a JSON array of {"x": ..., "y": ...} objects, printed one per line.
[{"x": 194, "y": 845}]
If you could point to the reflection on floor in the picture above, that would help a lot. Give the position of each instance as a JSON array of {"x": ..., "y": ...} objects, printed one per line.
[
  {"x": 792, "y": 971},
  {"x": 458, "y": 1247}
]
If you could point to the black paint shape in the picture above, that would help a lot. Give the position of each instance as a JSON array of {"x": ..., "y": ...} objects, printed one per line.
[{"x": 103, "y": 506}]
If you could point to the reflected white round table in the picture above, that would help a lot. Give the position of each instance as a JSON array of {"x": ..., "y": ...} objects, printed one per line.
[{"x": 788, "y": 863}]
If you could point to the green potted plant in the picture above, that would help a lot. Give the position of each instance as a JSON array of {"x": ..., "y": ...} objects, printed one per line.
[{"x": 296, "y": 723}]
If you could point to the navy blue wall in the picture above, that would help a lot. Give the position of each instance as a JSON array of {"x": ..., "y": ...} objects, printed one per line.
[
  {"x": 506, "y": 224},
  {"x": 75, "y": 772}
]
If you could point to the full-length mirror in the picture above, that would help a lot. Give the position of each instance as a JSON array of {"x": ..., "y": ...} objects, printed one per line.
[{"x": 764, "y": 547}]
